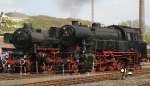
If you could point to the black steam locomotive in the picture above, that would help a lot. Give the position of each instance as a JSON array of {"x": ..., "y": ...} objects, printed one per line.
[{"x": 79, "y": 48}]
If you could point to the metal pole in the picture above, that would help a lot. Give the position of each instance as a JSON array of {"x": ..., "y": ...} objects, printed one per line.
[
  {"x": 92, "y": 10},
  {"x": 20, "y": 68},
  {"x": 93, "y": 68},
  {"x": 63, "y": 68},
  {"x": 141, "y": 16},
  {"x": 36, "y": 63}
]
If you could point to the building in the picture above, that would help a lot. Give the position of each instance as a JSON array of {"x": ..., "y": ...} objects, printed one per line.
[{"x": 5, "y": 46}]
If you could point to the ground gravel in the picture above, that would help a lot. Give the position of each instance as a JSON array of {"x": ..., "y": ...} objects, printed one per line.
[{"x": 129, "y": 81}]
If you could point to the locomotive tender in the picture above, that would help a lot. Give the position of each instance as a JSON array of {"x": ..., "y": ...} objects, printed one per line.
[{"x": 78, "y": 48}]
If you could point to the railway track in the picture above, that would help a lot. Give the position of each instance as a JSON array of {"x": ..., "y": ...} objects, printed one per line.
[
  {"x": 8, "y": 76},
  {"x": 80, "y": 80},
  {"x": 70, "y": 81},
  {"x": 115, "y": 75},
  {"x": 144, "y": 84},
  {"x": 11, "y": 77}
]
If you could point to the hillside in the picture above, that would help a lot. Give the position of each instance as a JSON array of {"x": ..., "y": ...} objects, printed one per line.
[
  {"x": 45, "y": 22},
  {"x": 16, "y": 14},
  {"x": 15, "y": 20}
]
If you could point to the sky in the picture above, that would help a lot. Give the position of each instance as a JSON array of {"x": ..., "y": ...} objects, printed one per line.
[{"x": 106, "y": 11}]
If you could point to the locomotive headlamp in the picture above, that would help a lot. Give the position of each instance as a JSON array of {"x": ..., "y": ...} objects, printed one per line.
[
  {"x": 83, "y": 51},
  {"x": 8, "y": 65},
  {"x": 24, "y": 56},
  {"x": 123, "y": 70},
  {"x": 130, "y": 73}
]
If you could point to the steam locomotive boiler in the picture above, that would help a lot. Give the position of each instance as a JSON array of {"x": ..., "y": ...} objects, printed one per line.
[{"x": 26, "y": 38}]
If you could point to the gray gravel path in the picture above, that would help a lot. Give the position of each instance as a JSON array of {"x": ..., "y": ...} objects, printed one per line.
[
  {"x": 130, "y": 81},
  {"x": 42, "y": 79}
]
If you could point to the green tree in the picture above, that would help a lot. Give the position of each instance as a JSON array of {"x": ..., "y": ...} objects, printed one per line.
[
  {"x": 7, "y": 26},
  {"x": 131, "y": 23},
  {"x": 147, "y": 35},
  {"x": 10, "y": 26}
]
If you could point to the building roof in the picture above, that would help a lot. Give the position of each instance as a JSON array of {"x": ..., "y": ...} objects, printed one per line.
[{"x": 5, "y": 45}]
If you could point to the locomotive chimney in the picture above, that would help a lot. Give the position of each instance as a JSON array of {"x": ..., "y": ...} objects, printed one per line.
[
  {"x": 96, "y": 25},
  {"x": 27, "y": 26},
  {"x": 75, "y": 23}
]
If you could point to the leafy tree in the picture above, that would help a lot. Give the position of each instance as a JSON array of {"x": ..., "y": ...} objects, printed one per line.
[
  {"x": 131, "y": 23},
  {"x": 147, "y": 35},
  {"x": 9, "y": 25}
]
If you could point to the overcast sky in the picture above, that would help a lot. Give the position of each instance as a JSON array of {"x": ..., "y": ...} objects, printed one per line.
[{"x": 106, "y": 11}]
